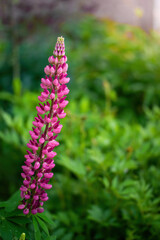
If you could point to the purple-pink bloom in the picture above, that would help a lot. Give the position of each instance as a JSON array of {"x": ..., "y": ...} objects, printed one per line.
[{"x": 37, "y": 169}]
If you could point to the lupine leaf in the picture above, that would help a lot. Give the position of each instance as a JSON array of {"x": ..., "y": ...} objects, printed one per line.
[
  {"x": 74, "y": 166},
  {"x": 12, "y": 203},
  {"x": 43, "y": 225},
  {"x": 37, "y": 232},
  {"x": 46, "y": 218},
  {"x": 19, "y": 219}
]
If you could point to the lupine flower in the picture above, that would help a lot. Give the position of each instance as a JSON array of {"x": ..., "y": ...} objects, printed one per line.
[{"x": 37, "y": 169}]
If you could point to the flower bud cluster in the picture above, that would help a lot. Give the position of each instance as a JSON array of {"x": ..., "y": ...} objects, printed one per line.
[{"x": 37, "y": 169}]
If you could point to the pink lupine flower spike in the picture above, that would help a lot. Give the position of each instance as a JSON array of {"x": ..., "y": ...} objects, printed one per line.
[{"x": 37, "y": 169}]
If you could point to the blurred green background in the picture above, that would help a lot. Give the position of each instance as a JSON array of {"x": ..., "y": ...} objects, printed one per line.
[{"x": 106, "y": 181}]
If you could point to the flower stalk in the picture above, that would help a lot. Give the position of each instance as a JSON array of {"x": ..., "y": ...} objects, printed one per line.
[{"x": 37, "y": 170}]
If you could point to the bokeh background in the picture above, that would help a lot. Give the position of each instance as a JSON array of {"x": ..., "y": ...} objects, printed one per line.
[{"x": 106, "y": 183}]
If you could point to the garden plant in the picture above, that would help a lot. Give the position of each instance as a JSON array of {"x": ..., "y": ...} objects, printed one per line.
[{"x": 39, "y": 163}]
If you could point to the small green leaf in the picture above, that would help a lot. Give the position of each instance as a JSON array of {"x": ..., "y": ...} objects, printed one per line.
[
  {"x": 45, "y": 218},
  {"x": 75, "y": 166},
  {"x": 37, "y": 232},
  {"x": 12, "y": 203},
  {"x": 95, "y": 214},
  {"x": 7, "y": 118},
  {"x": 43, "y": 225}
]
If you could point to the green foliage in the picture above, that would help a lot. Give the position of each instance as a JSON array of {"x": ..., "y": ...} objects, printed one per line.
[
  {"x": 117, "y": 195},
  {"x": 105, "y": 52},
  {"x": 13, "y": 222}
]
